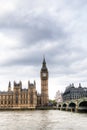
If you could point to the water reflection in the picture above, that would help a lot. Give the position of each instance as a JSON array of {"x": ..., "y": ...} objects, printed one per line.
[{"x": 42, "y": 120}]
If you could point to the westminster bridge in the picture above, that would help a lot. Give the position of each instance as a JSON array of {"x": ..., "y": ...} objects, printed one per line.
[{"x": 74, "y": 105}]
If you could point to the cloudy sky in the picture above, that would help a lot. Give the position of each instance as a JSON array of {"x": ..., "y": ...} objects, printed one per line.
[{"x": 30, "y": 29}]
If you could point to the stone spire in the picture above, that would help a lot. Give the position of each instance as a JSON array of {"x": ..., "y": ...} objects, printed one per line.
[
  {"x": 9, "y": 86},
  {"x": 44, "y": 64}
]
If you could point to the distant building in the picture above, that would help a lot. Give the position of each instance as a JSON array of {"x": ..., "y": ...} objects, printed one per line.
[
  {"x": 26, "y": 98},
  {"x": 71, "y": 92},
  {"x": 58, "y": 97}
]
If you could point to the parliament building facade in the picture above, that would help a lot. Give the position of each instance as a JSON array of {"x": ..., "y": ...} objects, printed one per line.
[{"x": 28, "y": 98}]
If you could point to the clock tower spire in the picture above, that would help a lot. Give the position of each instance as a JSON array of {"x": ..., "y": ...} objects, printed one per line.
[{"x": 44, "y": 83}]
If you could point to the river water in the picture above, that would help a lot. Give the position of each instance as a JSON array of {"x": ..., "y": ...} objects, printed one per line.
[{"x": 42, "y": 120}]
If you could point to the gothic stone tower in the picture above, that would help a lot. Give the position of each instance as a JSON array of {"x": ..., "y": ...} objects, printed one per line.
[{"x": 44, "y": 84}]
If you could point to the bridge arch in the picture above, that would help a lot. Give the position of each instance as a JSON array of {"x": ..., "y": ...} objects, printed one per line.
[
  {"x": 83, "y": 104},
  {"x": 64, "y": 105},
  {"x": 72, "y": 104},
  {"x": 59, "y": 105}
]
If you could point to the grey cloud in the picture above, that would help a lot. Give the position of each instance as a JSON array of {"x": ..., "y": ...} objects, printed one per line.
[
  {"x": 57, "y": 57},
  {"x": 56, "y": 29},
  {"x": 38, "y": 28}
]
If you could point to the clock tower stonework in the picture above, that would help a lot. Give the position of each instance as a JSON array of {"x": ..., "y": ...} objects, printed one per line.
[{"x": 44, "y": 84}]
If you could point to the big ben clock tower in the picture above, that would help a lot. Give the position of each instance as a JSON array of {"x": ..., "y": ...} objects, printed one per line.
[{"x": 44, "y": 84}]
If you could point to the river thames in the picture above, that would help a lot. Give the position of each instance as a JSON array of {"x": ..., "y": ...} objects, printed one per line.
[{"x": 42, "y": 120}]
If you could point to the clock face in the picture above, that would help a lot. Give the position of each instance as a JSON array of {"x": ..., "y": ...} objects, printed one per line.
[{"x": 44, "y": 74}]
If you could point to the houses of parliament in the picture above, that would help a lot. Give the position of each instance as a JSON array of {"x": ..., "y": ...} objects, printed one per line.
[{"x": 20, "y": 98}]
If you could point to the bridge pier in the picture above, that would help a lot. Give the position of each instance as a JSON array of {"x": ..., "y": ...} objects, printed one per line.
[
  {"x": 60, "y": 108},
  {"x": 76, "y": 109},
  {"x": 66, "y": 108}
]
